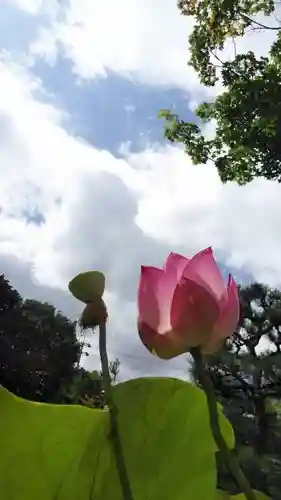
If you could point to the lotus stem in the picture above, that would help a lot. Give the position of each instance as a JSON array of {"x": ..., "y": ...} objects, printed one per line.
[
  {"x": 229, "y": 458},
  {"x": 114, "y": 430}
]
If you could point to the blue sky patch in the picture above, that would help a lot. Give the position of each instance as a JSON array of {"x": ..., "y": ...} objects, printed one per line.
[{"x": 107, "y": 112}]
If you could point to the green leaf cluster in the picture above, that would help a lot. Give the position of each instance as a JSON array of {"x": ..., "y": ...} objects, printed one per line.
[
  {"x": 215, "y": 22},
  {"x": 247, "y": 115}
]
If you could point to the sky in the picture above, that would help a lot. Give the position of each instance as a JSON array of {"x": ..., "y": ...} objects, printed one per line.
[{"x": 87, "y": 179}]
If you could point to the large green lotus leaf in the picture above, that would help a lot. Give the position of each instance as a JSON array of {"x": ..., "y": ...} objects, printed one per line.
[
  {"x": 223, "y": 495},
  {"x": 87, "y": 286},
  {"x": 53, "y": 452}
]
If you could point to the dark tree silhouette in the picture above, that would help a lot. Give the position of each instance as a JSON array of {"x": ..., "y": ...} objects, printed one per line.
[{"x": 38, "y": 346}]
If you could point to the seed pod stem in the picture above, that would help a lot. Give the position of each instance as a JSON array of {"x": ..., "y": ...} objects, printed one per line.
[{"x": 114, "y": 430}]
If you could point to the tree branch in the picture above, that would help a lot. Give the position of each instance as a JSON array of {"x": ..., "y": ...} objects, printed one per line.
[{"x": 275, "y": 28}]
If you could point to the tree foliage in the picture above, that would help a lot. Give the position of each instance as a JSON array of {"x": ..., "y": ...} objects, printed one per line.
[
  {"x": 86, "y": 387},
  {"x": 215, "y": 22},
  {"x": 38, "y": 346},
  {"x": 247, "y": 114},
  {"x": 248, "y": 384},
  {"x": 40, "y": 353}
]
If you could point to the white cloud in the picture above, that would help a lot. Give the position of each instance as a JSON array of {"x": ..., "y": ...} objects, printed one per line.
[
  {"x": 114, "y": 214},
  {"x": 137, "y": 40},
  {"x": 37, "y": 6},
  {"x": 132, "y": 37},
  {"x": 188, "y": 206},
  {"x": 32, "y": 6},
  {"x": 92, "y": 226}
]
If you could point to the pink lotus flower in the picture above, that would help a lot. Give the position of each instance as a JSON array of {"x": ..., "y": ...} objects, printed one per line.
[{"x": 186, "y": 304}]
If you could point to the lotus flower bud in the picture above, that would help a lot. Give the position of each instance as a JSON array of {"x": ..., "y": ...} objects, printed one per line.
[{"x": 186, "y": 304}]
